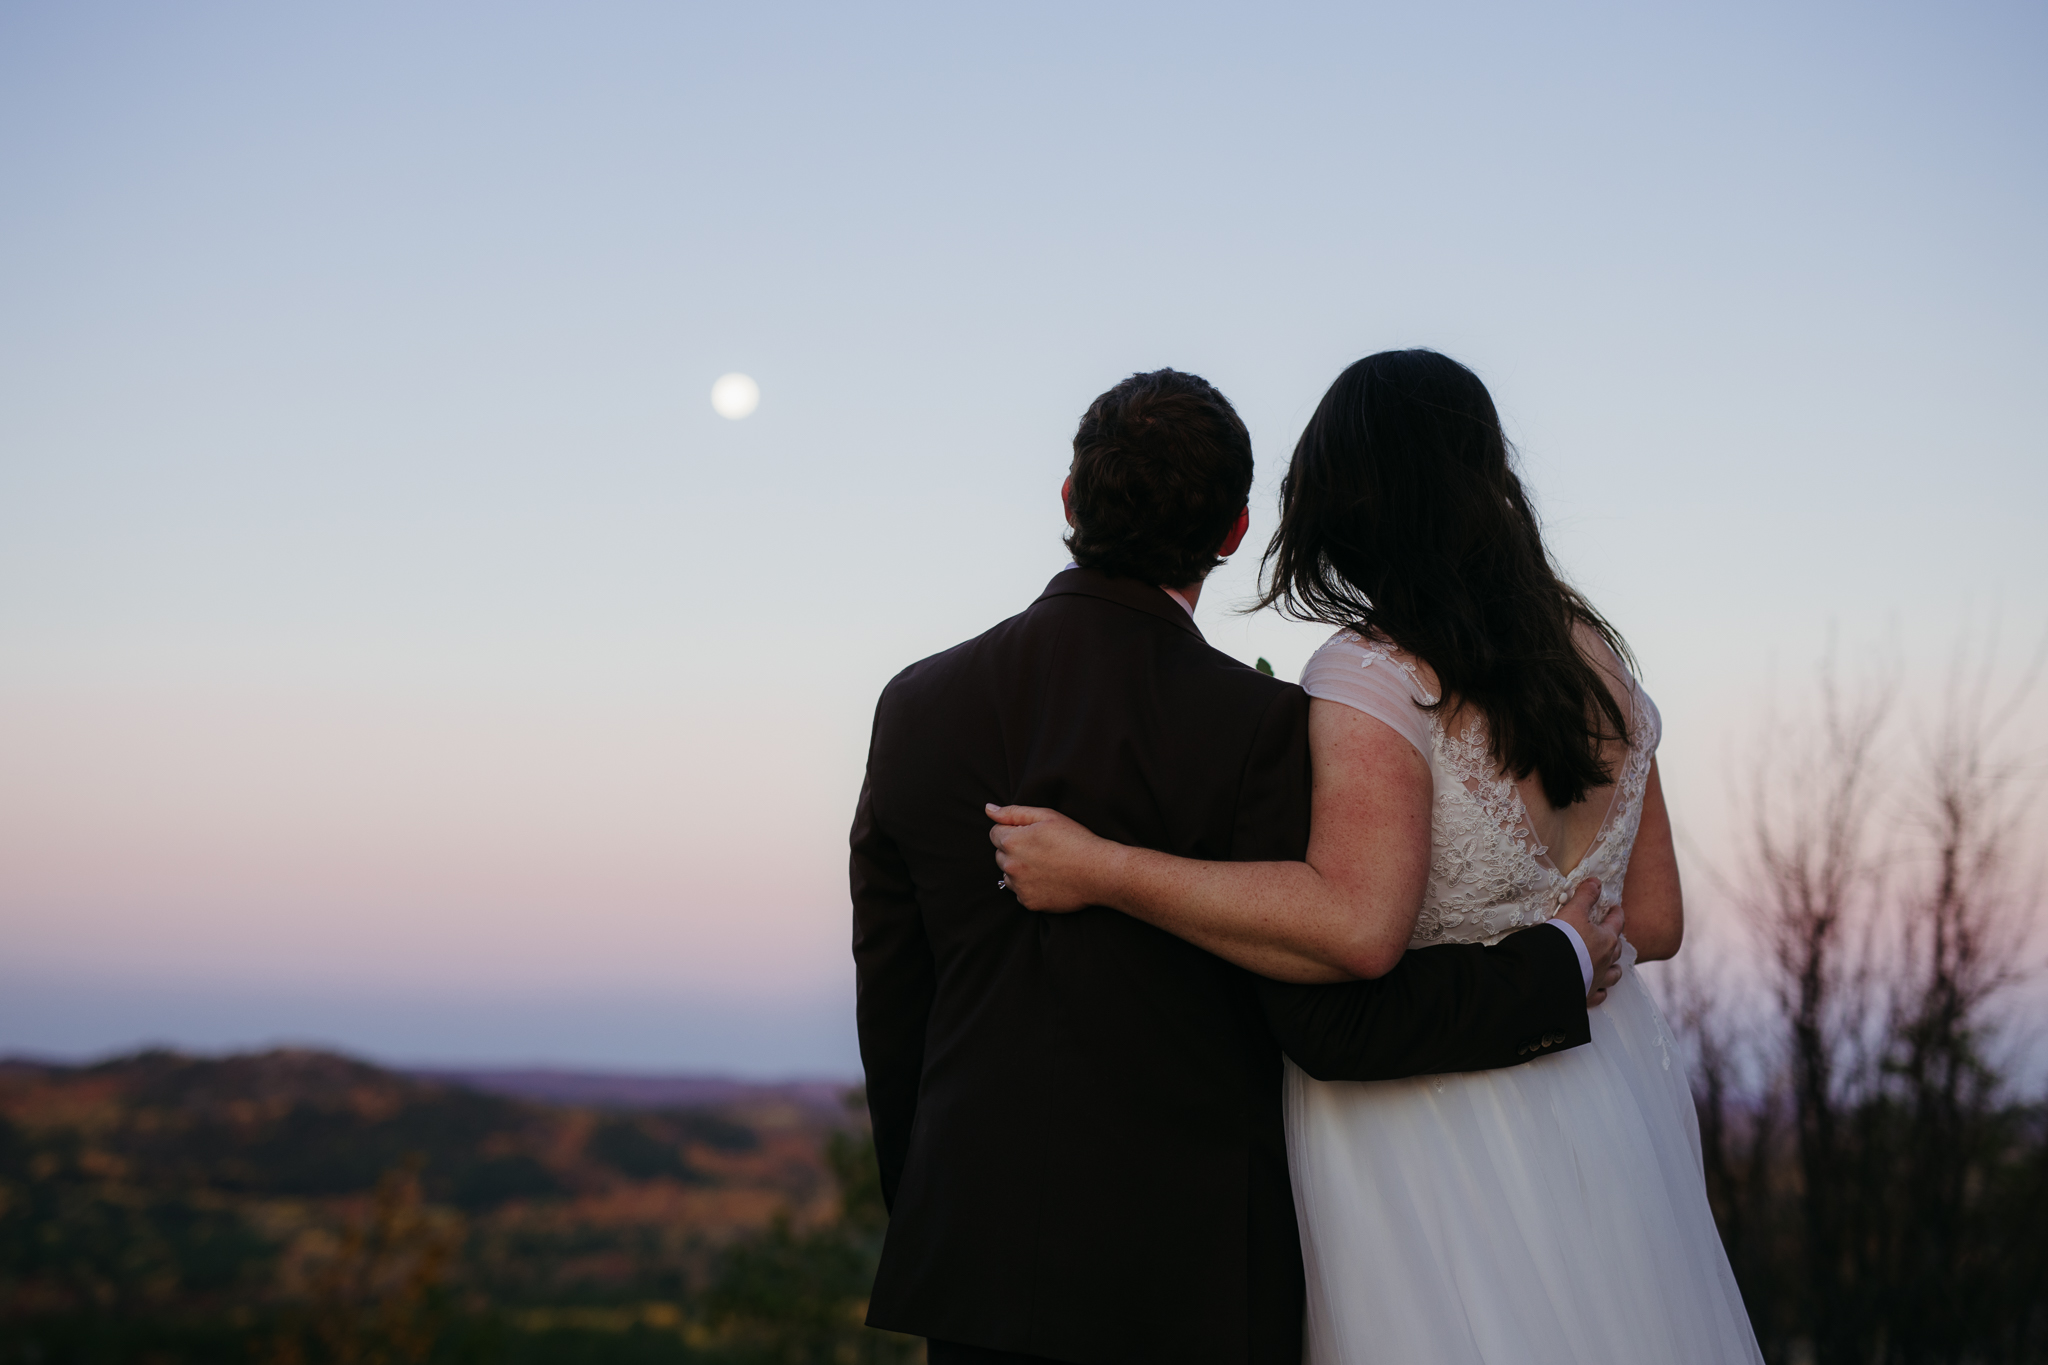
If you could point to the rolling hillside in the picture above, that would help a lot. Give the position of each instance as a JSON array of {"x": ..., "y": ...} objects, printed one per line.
[{"x": 253, "y": 1207}]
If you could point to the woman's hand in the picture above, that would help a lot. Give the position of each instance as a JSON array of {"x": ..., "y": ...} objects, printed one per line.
[{"x": 1052, "y": 863}]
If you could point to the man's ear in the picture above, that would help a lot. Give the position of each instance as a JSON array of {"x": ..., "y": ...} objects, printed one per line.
[
  {"x": 1067, "y": 498},
  {"x": 1236, "y": 536}
]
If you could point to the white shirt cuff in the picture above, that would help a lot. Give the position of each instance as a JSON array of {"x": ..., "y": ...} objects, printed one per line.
[{"x": 1579, "y": 947}]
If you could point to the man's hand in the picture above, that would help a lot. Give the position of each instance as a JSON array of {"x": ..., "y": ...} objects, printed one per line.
[{"x": 1603, "y": 940}]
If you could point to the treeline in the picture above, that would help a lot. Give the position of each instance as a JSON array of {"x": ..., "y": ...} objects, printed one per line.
[
  {"x": 298, "y": 1208},
  {"x": 1881, "y": 1186},
  {"x": 782, "y": 1296}
]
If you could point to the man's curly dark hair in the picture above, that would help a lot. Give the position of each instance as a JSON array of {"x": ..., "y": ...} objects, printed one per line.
[{"x": 1162, "y": 467}]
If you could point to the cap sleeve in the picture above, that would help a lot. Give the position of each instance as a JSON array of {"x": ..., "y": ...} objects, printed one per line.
[{"x": 1368, "y": 676}]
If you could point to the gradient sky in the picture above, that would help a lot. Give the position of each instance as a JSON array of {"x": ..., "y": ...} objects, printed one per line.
[{"x": 396, "y": 651}]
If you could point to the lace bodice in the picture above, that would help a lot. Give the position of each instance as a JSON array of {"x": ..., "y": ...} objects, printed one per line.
[{"x": 1488, "y": 874}]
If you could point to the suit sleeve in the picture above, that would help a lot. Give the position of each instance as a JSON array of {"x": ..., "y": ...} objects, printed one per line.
[
  {"x": 1457, "y": 1007},
  {"x": 893, "y": 985}
]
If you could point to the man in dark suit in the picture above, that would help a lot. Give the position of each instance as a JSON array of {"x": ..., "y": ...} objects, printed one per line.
[{"x": 1078, "y": 1116}]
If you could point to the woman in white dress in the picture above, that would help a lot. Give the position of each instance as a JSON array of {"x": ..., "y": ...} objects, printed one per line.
[{"x": 1479, "y": 750}]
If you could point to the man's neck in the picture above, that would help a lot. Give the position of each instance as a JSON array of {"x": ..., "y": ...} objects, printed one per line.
[{"x": 1188, "y": 596}]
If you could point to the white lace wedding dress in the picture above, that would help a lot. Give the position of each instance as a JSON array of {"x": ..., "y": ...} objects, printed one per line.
[{"x": 1550, "y": 1214}]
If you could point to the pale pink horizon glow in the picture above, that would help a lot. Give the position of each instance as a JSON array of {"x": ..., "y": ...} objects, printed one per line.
[{"x": 408, "y": 842}]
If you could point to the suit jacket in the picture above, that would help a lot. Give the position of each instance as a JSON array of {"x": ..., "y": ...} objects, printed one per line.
[{"x": 1078, "y": 1116}]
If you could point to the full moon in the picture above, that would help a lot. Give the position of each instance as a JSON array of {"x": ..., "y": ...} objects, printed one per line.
[{"x": 735, "y": 396}]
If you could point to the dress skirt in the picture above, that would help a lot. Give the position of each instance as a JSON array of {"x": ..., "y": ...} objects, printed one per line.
[{"x": 1553, "y": 1213}]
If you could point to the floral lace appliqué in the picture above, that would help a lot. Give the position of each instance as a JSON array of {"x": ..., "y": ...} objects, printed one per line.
[{"x": 1489, "y": 875}]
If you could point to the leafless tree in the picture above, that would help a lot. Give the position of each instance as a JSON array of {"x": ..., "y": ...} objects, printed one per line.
[
  {"x": 1815, "y": 881},
  {"x": 1963, "y": 928},
  {"x": 1880, "y": 1192}
]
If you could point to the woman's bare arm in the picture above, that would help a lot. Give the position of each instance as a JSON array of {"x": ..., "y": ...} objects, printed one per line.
[
  {"x": 1347, "y": 912},
  {"x": 1656, "y": 904}
]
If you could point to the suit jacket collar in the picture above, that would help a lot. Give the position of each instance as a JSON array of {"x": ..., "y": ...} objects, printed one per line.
[{"x": 1125, "y": 592}]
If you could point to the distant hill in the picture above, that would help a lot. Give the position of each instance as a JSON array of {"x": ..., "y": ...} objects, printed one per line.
[
  {"x": 300, "y": 1123},
  {"x": 184, "y": 1194},
  {"x": 631, "y": 1090}
]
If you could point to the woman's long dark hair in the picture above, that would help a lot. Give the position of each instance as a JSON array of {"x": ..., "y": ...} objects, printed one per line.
[{"x": 1401, "y": 516}]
